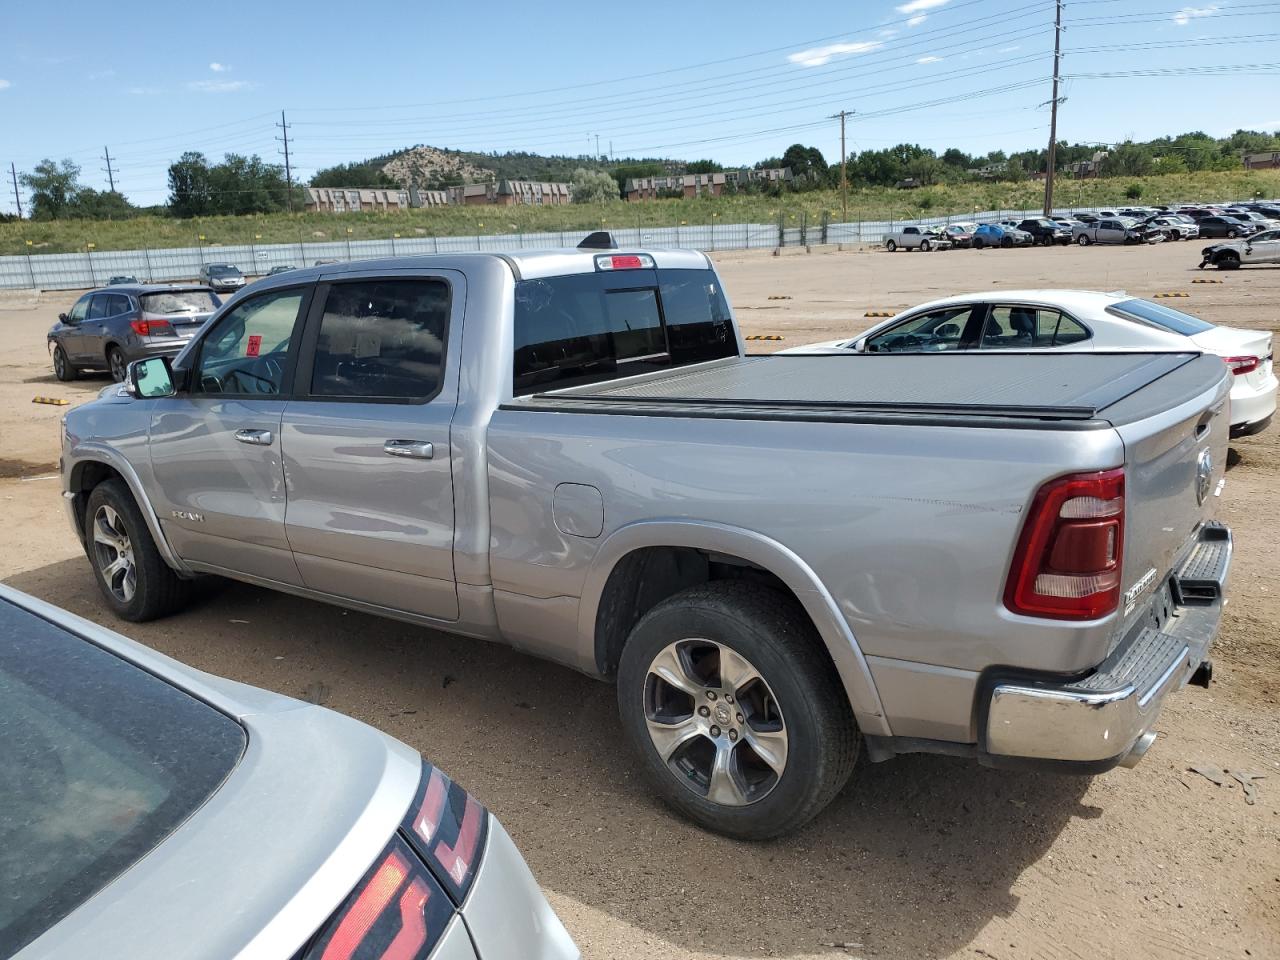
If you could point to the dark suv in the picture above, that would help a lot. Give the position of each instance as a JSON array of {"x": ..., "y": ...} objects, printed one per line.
[
  {"x": 108, "y": 328},
  {"x": 1226, "y": 227},
  {"x": 1043, "y": 230}
]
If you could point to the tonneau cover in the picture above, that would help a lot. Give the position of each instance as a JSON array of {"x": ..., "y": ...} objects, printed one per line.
[{"x": 1066, "y": 386}]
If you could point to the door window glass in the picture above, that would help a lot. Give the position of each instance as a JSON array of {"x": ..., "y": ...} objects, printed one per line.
[
  {"x": 927, "y": 333},
  {"x": 78, "y": 311},
  {"x": 119, "y": 304},
  {"x": 382, "y": 340},
  {"x": 1024, "y": 327},
  {"x": 245, "y": 352},
  {"x": 98, "y": 305}
]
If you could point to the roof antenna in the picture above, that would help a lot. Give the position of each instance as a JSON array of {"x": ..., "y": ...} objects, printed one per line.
[{"x": 600, "y": 240}]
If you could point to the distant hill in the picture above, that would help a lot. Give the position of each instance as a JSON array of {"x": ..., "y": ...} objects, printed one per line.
[{"x": 435, "y": 167}]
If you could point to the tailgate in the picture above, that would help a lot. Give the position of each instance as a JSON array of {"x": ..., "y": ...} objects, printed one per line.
[{"x": 1175, "y": 459}]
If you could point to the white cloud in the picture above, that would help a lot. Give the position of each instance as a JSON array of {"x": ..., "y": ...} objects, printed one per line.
[
  {"x": 917, "y": 20},
  {"x": 1009, "y": 49},
  {"x": 5, "y": 84},
  {"x": 102, "y": 75},
  {"x": 918, "y": 6},
  {"x": 1187, "y": 14},
  {"x": 219, "y": 86},
  {"x": 817, "y": 56},
  {"x": 143, "y": 91},
  {"x": 218, "y": 67},
  {"x": 929, "y": 59},
  {"x": 888, "y": 34}
]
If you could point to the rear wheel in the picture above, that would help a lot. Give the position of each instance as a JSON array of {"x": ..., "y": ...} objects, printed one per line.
[
  {"x": 63, "y": 369},
  {"x": 891, "y": 246},
  {"x": 134, "y": 579},
  {"x": 735, "y": 710},
  {"x": 1232, "y": 234},
  {"x": 1083, "y": 240},
  {"x": 117, "y": 364}
]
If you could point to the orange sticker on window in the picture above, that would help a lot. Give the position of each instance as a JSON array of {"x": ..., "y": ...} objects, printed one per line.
[{"x": 254, "y": 346}]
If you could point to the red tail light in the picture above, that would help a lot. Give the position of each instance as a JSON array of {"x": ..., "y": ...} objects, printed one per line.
[
  {"x": 152, "y": 328},
  {"x": 1241, "y": 365},
  {"x": 1068, "y": 562},
  {"x": 447, "y": 826},
  {"x": 396, "y": 913}
]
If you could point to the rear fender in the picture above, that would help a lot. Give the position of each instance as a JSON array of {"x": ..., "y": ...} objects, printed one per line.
[{"x": 767, "y": 554}]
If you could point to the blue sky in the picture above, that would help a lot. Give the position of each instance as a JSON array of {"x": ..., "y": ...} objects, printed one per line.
[{"x": 732, "y": 81}]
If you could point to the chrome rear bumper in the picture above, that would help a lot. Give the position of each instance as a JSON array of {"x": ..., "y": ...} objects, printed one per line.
[{"x": 1104, "y": 718}]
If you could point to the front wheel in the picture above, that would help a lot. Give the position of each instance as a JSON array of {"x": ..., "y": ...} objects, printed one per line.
[
  {"x": 891, "y": 246},
  {"x": 1006, "y": 242},
  {"x": 1232, "y": 234},
  {"x": 62, "y": 366},
  {"x": 925, "y": 246},
  {"x": 978, "y": 243},
  {"x": 1083, "y": 240},
  {"x": 134, "y": 579},
  {"x": 1228, "y": 261},
  {"x": 735, "y": 710}
]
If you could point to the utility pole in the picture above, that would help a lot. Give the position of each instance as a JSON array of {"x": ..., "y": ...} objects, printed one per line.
[
  {"x": 1053, "y": 112},
  {"x": 597, "y": 147},
  {"x": 288, "y": 170},
  {"x": 844, "y": 176},
  {"x": 111, "y": 177},
  {"x": 17, "y": 197}
]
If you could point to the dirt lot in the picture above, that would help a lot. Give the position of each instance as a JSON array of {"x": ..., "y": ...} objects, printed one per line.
[{"x": 921, "y": 857}]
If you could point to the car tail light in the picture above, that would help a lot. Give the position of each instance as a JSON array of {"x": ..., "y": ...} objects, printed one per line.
[
  {"x": 1241, "y": 365},
  {"x": 397, "y": 912},
  {"x": 625, "y": 261},
  {"x": 447, "y": 826},
  {"x": 152, "y": 328},
  {"x": 1068, "y": 561}
]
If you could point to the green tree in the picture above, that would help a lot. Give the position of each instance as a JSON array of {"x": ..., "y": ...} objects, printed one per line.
[
  {"x": 241, "y": 185},
  {"x": 703, "y": 166},
  {"x": 52, "y": 188},
  {"x": 593, "y": 186},
  {"x": 91, "y": 204},
  {"x": 365, "y": 173},
  {"x": 189, "y": 190}
]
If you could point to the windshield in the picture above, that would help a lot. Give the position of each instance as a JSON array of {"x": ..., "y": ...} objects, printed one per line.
[
  {"x": 1162, "y": 317},
  {"x": 223, "y": 271},
  {"x": 179, "y": 301},
  {"x": 99, "y": 762}
]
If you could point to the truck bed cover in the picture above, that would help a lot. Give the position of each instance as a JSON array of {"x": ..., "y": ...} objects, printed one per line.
[{"x": 1074, "y": 389}]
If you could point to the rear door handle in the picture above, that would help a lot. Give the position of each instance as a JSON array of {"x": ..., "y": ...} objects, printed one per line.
[
  {"x": 259, "y": 438},
  {"x": 417, "y": 449}
]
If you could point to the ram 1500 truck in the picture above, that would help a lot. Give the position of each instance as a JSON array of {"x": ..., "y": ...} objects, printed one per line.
[{"x": 778, "y": 560}]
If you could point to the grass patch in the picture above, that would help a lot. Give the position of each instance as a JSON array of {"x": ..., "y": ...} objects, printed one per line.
[{"x": 879, "y": 203}]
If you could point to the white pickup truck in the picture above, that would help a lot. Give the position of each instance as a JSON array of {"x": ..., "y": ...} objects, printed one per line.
[
  {"x": 1000, "y": 555},
  {"x": 917, "y": 238}
]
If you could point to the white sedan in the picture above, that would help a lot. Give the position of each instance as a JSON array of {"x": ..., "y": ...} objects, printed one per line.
[{"x": 1077, "y": 320}]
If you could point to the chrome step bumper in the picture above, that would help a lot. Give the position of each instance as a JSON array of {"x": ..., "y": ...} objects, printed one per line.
[{"x": 1103, "y": 718}]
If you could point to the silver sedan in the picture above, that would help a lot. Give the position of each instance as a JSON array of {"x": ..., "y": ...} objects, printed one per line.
[{"x": 151, "y": 811}]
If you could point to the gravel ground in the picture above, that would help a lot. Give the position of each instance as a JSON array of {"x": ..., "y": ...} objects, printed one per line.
[{"x": 921, "y": 857}]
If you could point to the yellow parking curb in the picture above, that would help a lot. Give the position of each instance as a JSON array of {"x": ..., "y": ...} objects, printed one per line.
[
  {"x": 52, "y": 401},
  {"x": 879, "y": 313},
  {"x": 1205, "y": 280},
  {"x": 1159, "y": 296},
  {"x": 778, "y": 296},
  {"x": 763, "y": 336}
]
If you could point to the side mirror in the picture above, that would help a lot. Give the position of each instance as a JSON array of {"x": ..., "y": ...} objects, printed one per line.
[
  {"x": 63, "y": 318},
  {"x": 151, "y": 378},
  {"x": 860, "y": 345}
]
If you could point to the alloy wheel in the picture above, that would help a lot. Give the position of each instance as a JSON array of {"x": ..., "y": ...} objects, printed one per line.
[
  {"x": 118, "y": 366},
  {"x": 59, "y": 363},
  {"x": 114, "y": 554},
  {"x": 715, "y": 722}
]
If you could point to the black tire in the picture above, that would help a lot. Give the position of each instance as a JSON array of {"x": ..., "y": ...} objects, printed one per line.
[
  {"x": 1083, "y": 240},
  {"x": 1227, "y": 261},
  {"x": 890, "y": 246},
  {"x": 771, "y": 631},
  {"x": 63, "y": 368},
  {"x": 1006, "y": 242},
  {"x": 925, "y": 246},
  {"x": 1232, "y": 234},
  {"x": 978, "y": 243},
  {"x": 158, "y": 591},
  {"x": 116, "y": 363}
]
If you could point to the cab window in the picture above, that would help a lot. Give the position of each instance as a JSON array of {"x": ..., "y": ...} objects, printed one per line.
[
  {"x": 245, "y": 353},
  {"x": 930, "y": 332}
]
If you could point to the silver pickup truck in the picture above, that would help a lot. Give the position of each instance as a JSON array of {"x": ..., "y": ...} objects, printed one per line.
[{"x": 778, "y": 560}]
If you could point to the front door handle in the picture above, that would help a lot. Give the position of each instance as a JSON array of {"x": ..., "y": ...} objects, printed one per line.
[
  {"x": 417, "y": 449},
  {"x": 259, "y": 438}
]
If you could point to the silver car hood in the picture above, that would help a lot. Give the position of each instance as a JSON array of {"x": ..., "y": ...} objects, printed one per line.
[{"x": 272, "y": 853}]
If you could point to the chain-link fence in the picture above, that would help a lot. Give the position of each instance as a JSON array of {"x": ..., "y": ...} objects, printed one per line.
[{"x": 93, "y": 268}]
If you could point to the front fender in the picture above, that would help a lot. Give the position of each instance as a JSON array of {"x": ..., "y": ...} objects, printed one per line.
[
  {"x": 74, "y": 462},
  {"x": 766, "y": 553}
]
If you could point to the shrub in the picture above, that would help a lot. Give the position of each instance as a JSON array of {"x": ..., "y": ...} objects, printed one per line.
[{"x": 1133, "y": 191}]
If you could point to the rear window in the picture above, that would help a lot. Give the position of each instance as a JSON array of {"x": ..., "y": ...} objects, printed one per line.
[
  {"x": 99, "y": 762},
  {"x": 586, "y": 328},
  {"x": 173, "y": 302},
  {"x": 1174, "y": 321}
]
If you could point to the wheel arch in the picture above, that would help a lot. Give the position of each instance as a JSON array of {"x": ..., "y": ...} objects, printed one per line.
[
  {"x": 641, "y": 564},
  {"x": 93, "y": 467}
]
